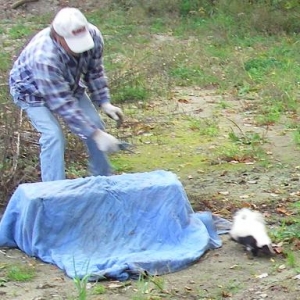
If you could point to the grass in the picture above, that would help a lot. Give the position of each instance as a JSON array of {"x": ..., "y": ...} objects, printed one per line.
[
  {"x": 288, "y": 234},
  {"x": 18, "y": 31},
  {"x": 204, "y": 127},
  {"x": 19, "y": 273},
  {"x": 291, "y": 259},
  {"x": 296, "y": 134},
  {"x": 81, "y": 286},
  {"x": 150, "y": 287},
  {"x": 224, "y": 291},
  {"x": 99, "y": 289}
]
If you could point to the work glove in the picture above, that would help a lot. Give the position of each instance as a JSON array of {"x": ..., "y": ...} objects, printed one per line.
[
  {"x": 113, "y": 112},
  {"x": 106, "y": 142}
]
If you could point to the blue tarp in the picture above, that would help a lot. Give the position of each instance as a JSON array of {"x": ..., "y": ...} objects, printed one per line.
[{"x": 109, "y": 227}]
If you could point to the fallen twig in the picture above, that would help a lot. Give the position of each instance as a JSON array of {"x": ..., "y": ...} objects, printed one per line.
[
  {"x": 241, "y": 131},
  {"x": 21, "y": 2},
  {"x": 16, "y": 156}
]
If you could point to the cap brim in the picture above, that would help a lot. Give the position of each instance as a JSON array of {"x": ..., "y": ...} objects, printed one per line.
[{"x": 81, "y": 43}]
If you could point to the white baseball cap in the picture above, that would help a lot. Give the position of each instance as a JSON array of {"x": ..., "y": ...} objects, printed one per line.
[{"x": 72, "y": 25}]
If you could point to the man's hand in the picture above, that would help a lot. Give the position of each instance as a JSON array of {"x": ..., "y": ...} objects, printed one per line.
[
  {"x": 113, "y": 112},
  {"x": 106, "y": 142}
]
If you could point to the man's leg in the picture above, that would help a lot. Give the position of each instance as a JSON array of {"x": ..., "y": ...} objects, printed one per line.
[
  {"x": 52, "y": 143},
  {"x": 98, "y": 161}
]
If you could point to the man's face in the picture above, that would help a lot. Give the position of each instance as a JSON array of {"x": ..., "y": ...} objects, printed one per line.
[{"x": 63, "y": 43}]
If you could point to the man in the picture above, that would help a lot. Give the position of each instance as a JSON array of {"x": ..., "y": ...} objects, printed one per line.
[{"x": 50, "y": 79}]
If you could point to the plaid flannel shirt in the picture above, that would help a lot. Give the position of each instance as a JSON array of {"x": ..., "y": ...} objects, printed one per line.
[{"x": 45, "y": 75}]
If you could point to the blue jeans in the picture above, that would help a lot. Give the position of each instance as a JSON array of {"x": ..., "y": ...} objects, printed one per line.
[{"x": 52, "y": 142}]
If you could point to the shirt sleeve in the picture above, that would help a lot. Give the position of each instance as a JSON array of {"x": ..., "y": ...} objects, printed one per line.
[
  {"x": 95, "y": 77},
  {"x": 58, "y": 97}
]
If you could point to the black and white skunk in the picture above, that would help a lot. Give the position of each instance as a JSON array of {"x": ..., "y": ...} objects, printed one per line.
[{"x": 249, "y": 229}]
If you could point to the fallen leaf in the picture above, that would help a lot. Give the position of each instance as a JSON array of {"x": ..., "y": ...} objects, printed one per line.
[
  {"x": 115, "y": 285},
  {"x": 234, "y": 162},
  {"x": 224, "y": 193},
  {"x": 234, "y": 267},
  {"x": 198, "y": 110},
  {"x": 226, "y": 294},
  {"x": 296, "y": 244},
  {"x": 283, "y": 211},
  {"x": 252, "y": 181},
  {"x": 280, "y": 244},
  {"x": 263, "y": 275},
  {"x": 185, "y": 101},
  {"x": 45, "y": 286},
  {"x": 278, "y": 250}
]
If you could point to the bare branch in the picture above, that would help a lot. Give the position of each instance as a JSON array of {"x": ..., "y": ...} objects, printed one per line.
[
  {"x": 16, "y": 156},
  {"x": 21, "y": 2}
]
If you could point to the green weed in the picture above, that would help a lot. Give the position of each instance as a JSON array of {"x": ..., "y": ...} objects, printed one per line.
[
  {"x": 296, "y": 135},
  {"x": 20, "y": 273},
  {"x": 239, "y": 153},
  {"x": 18, "y": 31},
  {"x": 149, "y": 287},
  {"x": 269, "y": 115},
  {"x": 81, "y": 282},
  {"x": 120, "y": 164},
  {"x": 257, "y": 68},
  {"x": 131, "y": 94},
  {"x": 191, "y": 75},
  {"x": 99, "y": 289},
  {"x": 223, "y": 104},
  {"x": 287, "y": 233},
  {"x": 232, "y": 287},
  {"x": 205, "y": 127},
  {"x": 5, "y": 61},
  {"x": 291, "y": 259},
  {"x": 247, "y": 138},
  {"x": 81, "y": 286}
]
